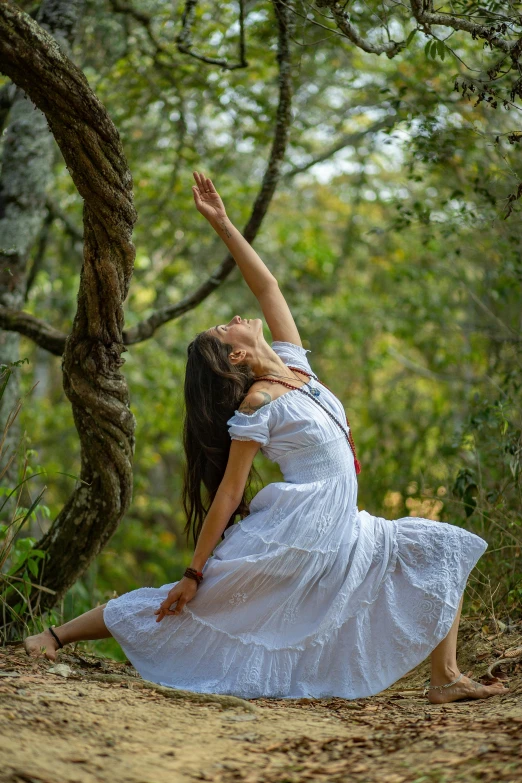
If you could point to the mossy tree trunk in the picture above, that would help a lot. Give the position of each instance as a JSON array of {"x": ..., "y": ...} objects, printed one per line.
[{"x": 92, "y": 359}]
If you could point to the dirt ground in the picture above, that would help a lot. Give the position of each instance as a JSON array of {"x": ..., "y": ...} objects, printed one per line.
[{"x": 93, "y": 720}]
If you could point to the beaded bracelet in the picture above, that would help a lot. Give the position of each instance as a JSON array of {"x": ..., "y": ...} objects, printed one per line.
[{"x": 193, "y": 574}]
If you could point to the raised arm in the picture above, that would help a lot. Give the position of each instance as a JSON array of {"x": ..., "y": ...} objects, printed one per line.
[{"x": 257, "y": 276}]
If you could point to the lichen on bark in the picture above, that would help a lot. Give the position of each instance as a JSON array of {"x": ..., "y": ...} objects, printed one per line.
[{"x": 92, "y": 359}]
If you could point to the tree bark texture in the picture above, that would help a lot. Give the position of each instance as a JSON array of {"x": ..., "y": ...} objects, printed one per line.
[
  {"x": 25, "y": 176},
  {"x": 92, "y": 359}
]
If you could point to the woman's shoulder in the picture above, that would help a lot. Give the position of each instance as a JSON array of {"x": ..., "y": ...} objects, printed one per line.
[
  {"x": 256, "y": 398},
  {"x": 252, "y": 420}
]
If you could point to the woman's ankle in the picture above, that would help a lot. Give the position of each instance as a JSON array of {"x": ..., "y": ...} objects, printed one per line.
[{"x": 445, "y": 674}]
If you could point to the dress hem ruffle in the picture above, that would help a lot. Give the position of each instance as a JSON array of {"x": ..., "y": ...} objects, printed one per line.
[{"x": 408, "y": 661}]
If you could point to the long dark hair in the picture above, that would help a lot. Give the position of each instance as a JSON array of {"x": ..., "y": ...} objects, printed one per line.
[{"x": 214, "y": 389}]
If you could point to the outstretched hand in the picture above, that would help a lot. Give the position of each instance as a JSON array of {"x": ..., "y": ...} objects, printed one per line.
[
  {"x": 183, "y": 592},
  {"x": 207, "y": 199}
]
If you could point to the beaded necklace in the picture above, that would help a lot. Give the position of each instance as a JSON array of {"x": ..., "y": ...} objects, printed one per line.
[{"x": 313, "y": 396}]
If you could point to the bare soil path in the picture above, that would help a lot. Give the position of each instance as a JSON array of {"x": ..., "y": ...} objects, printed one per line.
[{"x": 98, "y": 724}]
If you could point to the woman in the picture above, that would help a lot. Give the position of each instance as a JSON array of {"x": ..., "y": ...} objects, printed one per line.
[{"x": 306, "y": 595}]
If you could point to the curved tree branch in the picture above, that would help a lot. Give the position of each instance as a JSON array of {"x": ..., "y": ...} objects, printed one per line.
[
  {"x": 184, "y": 40},
  {"x": 70, "y": 227},
  {"x": 38, "y": 330},
  {"x": 146, "y": 328},
  {"x": 54, "y": 340},
  {"x": 93, "y": 382},
  {"x": 346, "y": 140},
  {"x": 497, "y": 36},
  {"x": 426, "y": 17},
  {"x": 342, "y": 20}
]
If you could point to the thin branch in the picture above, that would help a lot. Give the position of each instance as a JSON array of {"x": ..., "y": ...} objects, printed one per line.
[
  {"x": 184, "y": 40},
  {"x": 347, "y": 140},
  {"x": 435, "y": 376},
  {"x": 146, "y": 328},
  {"x": 496, "y": 34},
  {"x": 315, "y": 23},
  {"x": 56, "y": 212},
  {"x": 342, "y": 19},
  {"x": 145, "y": 20},
  {"x": 38, "y": 330},
  {"x": 53, "y": 340},
  {"x": 426, "y": 18},
  {"x": 489, "y": 312}
]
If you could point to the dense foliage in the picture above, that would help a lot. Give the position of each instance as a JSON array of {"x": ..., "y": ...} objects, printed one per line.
[{"x": 388, "y": 235}]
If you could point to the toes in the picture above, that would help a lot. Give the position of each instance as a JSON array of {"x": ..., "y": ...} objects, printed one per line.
[{"x": 30, "y": 649}]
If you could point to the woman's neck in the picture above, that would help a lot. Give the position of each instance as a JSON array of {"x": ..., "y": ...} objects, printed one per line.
[{"x": 267, "y": 362}]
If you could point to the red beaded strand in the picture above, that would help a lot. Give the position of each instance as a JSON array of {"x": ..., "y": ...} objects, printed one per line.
[{"x": 348, "y": 435}]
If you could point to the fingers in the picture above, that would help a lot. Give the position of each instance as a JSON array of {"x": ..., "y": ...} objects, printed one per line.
[
  {"x": 165, "y": 612},
  {"x": 161, "y": 614},
  {"x": 204, "y": 183},
  {"x": 173, "y": 598},
  {"x": 200, "y": 179},
  {"x": 179, "y": 607},
  {"x": 165, "y": 605}
]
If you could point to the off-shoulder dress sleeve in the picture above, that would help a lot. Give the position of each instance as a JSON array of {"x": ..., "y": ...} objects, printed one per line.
[
  {"x": 255, "y": 426},
  {"x": 293, "y": 354}
]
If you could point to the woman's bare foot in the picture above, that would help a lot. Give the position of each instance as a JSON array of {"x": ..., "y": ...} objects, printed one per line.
[
  {"x": 466, "y": 688},
  {"x": 41, "y": 644}
]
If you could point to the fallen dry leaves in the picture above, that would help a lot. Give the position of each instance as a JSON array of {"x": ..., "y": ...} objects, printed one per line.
[{"x": 92, "y": 721}]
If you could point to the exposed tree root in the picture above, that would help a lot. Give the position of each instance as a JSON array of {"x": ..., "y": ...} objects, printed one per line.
[
  {"x": 510, "y": 657},
  {"x": 174, "y": 693}
]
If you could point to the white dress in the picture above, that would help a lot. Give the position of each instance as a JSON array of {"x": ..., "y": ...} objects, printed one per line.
[{"x": 307, "y": 595}]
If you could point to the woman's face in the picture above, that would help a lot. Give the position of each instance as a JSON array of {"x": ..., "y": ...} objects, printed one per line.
[{"x": 239, "y": 332}]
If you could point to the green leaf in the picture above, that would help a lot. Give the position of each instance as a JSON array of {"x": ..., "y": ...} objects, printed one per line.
[
  {"x": 441, "y": 49},
  {"x": 409, "y": 39},
  {"x": 33, "y": 568},
  {"x": 25, "y": 544}
]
